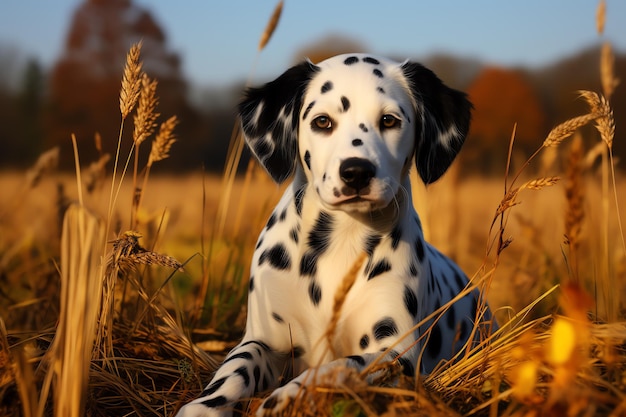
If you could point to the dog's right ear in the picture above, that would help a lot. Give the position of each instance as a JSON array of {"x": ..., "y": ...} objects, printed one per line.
[{"x": 269, "y": 119}]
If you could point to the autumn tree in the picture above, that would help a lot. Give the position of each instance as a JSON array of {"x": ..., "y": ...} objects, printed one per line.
[
  {"x": 85, "y": 81},
  {"x": 502, "y": 98}
]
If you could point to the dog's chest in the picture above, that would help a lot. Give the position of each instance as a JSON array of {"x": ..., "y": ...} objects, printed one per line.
[{"x": 310, "y": 260}]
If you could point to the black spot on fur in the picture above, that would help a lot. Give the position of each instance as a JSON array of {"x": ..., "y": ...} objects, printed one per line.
[
  {"x": 297, "y": 352},
  {"x": 307, "y": 159},
  {"x": 294, "y": 234},
  {"x": 283, "y": 215},
  {"x": 419, "y": 249},
  {"x": 451, "y": 317},
  {"x": 277, "y": 256},
  {"x": 259, "y": 243},
  {"x": 378, "y": 73},
  {"x": 357, "y": 142},
  {"x": 318, "y": 241},
  {"x": 362, "y": 127},
  {"x": 345, "y": 103},
  {"x": 371, "y": 242},
  {"x": 381, "y": 267},
  {"x": 278, "y": 318},
  {"x": 327, "y": 87},
  {"x": 265, "y": 383},
  {"x": 364, "y": 342},
  {"x": 358, "y": 359},
  {"x": 410, "y": 301},
  {"x": 434, "y": 343},
  {"x": 336, "y": 192},
  {"x": 351, "y": 60},
  {"x": 215, "y": 402},
  {"x": 271, "y": 221},
  {"x": 243, "y": 373},
  {"x": 257, "y": 376},
  {"x": 407, "y": 367},
  {"x": 240, "y": 355},
  {"x": 413, "y": 270},
  {"x": 308, "y": 109},
  {"x": 270, "y": 402},
  {"x": 371, "y": 60},
  {"x": 214, "y": 387},
  {"x": 251, "y": 284},
  {"x": 262, "y": 345},
  {"x": 315, "y": 292},
  {"x": 308, "y": 264},
  {"x": 384, "y": 328},
  {"x": 396, "y": 235},
  {"x": 380, "y": 90}
]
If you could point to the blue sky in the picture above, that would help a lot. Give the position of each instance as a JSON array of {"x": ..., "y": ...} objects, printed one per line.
[{"x": 218, "y": 40}]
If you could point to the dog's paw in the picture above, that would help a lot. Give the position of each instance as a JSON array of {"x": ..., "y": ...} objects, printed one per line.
[
  {"x": 201, "y": 410},
  {"x": 281, "y": 399}
]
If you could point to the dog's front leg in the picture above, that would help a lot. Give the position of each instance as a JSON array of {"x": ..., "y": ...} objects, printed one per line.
[{"x": 249, "y": 368}]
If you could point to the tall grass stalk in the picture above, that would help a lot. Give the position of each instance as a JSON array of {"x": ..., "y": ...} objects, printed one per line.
[
  {"x": 237, "y": 145},
  {"x": 81, "y": 288}
]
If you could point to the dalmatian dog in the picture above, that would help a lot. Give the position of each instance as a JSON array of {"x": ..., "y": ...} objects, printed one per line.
[{"x": 348, "y": 130}]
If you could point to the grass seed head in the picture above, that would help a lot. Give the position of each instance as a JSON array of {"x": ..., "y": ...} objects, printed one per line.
[
  {"x": 607, "y": 74},
  {"x": 46, "y": 162},
  {"x": 271, "y": 26},
  {"x": 164, "y": 140},
  {"x": 131, "y": 81},
  {"x": 145, "y": 119}
]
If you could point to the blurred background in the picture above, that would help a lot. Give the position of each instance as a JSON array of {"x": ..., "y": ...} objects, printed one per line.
[{"x": 61, "y": 64}]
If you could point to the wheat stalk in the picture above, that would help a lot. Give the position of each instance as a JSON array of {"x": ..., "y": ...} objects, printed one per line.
[
  {"x": 600, "y": 17},
  {"x": 574, "y": 195},
  {"x": 131, "y": 81},
  {"x": 81, "y": 289},
  {"x": 271, "y": 26},
  {"x": 340, "y": 297},
  {"x": 127, "y": 253},
  {"x": 566, "y": 129},
  {"x": 539, "y": 183},
  {"x": 607, "y": 74},
  {"x": 46, "y": 162},
  {"x": 605, "y": 125},
  {"x": 145, "y": 119},
  {"x": 163, "y": 141}
]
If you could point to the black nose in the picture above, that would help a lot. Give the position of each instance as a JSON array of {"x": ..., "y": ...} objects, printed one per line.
[{"x": 357, "y": 173}]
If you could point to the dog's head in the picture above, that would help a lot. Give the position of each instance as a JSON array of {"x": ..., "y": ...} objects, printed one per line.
[{"x": 353, "y": 123}]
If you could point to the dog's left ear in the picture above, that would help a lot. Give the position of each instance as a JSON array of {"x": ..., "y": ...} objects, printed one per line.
[
  {"x": 269, "y": 119},
  {"x": 445, "y": 119}
]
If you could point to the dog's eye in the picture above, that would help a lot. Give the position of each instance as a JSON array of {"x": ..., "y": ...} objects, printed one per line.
[
  {"x": 389, "y": 121},
  {"x": 322, "y": 123}
]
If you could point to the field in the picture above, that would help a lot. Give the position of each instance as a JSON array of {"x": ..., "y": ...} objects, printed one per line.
[{"x": 121, "y": 289}]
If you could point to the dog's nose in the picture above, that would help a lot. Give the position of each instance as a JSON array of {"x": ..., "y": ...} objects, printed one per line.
[{"x": 357, "y": 172}]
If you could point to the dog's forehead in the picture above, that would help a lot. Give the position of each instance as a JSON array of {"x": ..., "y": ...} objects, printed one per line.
[{"x": 359, "y": 73}]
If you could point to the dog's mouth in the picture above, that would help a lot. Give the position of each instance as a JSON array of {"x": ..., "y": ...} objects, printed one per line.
[{"x": 357, "y": 203}]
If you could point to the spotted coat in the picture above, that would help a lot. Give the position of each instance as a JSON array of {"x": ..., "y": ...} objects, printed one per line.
[{"x": 347, "y": 130}]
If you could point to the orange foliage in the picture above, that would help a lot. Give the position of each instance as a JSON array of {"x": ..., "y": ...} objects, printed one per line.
[{"x": 501, "y": 99}]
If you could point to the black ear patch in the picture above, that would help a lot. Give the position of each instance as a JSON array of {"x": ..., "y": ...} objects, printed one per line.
[
  {"x": 444, "y": 125},
  {"x": 269, "y": 119}
]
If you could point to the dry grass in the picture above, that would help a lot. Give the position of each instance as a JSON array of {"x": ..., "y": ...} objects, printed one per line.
[{"x": 106, "y": 327}]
